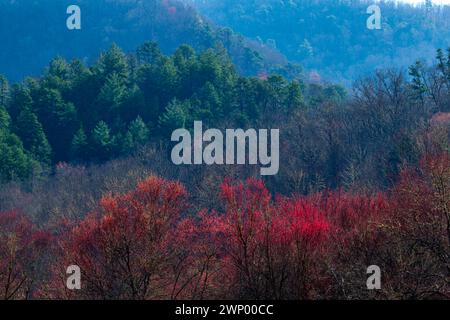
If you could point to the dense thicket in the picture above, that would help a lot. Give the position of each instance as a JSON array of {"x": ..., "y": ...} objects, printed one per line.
[
  {"x": 141, "y": 245},
  {"x": 331, "y": 36}
]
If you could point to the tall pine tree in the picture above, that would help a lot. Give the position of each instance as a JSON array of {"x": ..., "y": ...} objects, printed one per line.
[{"x": 29, "y": 129}]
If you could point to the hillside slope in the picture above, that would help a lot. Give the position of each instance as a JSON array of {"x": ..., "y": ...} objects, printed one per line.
[
  {"x": 331, "y": 36},
  {"x": 28, "y": 46}
]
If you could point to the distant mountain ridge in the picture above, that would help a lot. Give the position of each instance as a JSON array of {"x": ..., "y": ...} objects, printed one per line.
[
  {"x": 331, "y": 37},
  {"x": 34, "y": 32}
]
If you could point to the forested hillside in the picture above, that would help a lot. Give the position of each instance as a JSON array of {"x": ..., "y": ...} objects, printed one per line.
[
  {"x": 331, "y": 37},
  {"x": 28, "y": 46},
  {"x": 87, "y": 177},
  {"x": 85, "y": 114},
  {"x": 364, "y": 179},
  {"x": 90, "y": 114}
]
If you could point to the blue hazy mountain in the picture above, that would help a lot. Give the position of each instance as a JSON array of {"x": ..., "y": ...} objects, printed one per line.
[
  {"x": 331, "y": 36},
  {"x": 34, "y": 32}
]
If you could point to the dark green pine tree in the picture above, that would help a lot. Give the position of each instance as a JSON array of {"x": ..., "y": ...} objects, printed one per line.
[
  {"x": 174, "y": 117},
  {"x": 211, "y": 103},
  {"x": 30, "y": 131},
  {"x": 113, "y": 61},
  {"x": 102, "y": 142},
  {"x": 136, "y": 136},
  {"x": 14, "y": 161},
  {"x": 59, "y": 119},
  {"x": 184, "y": 57},
  {"x": 417, "y": 84},
  {"x": 20, "y": 99},
  {"x": 80, "y": 146},
  {"x": 139, "y": 132},
  {"x": 122, "y": 144},
  {"x": 111, "y": 97},
  {"x": 149, "y": 53}
]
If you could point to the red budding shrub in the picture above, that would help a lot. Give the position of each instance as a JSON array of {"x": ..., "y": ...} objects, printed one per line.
[
  {"x": 357, "y": 241},
  {"x": 122, "y": 247},
  {"x": 270, "y": 246}
]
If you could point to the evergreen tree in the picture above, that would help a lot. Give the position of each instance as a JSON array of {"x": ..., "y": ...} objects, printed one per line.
[
  {"x": 184, "y": 56},
  {"x": 122, "y": 144},
  {"x": 30, "y": 131},
  {"x": 4, "y": 91},
  {"x": 113, "y": 61},
  {"x": 417, "y": 84},
  {"x": 59, "y": 119},
  {"x": 20, "y": 99},
  {"x": 210, "y": 107},
  {"x": 111, "y": 96},
  {"x": 14, "y": 162},
  {"x": 159, "y": 84},
  {"x": 5, "y": 120},
  {"x": 174, "y": 117},
  {"x": 59, "y": 75},
  {"x": 139, "y": 132},
  {"x": 149, "y": 53},
  {"x": 101, "y": 137},
  {"x": 79, "y": 146}
]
